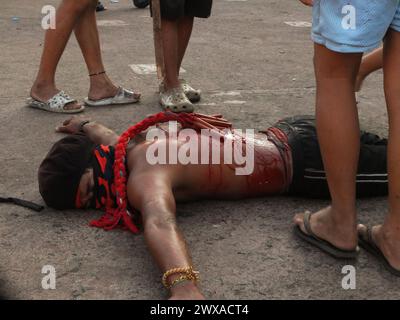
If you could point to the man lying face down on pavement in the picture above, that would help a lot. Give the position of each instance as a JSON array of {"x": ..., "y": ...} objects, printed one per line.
[{"x": 93, "y": 167}]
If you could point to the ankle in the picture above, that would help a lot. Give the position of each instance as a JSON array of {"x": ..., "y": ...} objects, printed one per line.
[
  {"x": 40, "y": 85},
  {"x": 101, "y": 83},
  {"x": 98, "y": 80},
  {"x": 346, "y": 216},
  {"x": 171, "y": 84}
]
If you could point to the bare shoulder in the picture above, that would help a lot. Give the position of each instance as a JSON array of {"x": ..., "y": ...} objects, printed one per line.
[
  {"x": 142, "y": 186},
  {"x": 148, "y": 170},
  {"x": 144, "y": 171},
  {"x": 149, "y": 155}
]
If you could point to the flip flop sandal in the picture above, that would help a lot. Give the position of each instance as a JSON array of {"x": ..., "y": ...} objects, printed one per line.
[
  {"x": 123, "y": 96},
  {"x": 192, "y": 94},
  {"x": 55, "y": 104},
  {"x": 367, "y": 242},
  {"x": 321, "y": 244}
]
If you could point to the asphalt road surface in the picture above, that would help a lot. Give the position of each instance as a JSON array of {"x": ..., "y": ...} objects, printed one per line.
[{"x": 253, "y": 60}]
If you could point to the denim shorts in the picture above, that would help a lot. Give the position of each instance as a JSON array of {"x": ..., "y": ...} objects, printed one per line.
[{"x": 353, "y": 26}]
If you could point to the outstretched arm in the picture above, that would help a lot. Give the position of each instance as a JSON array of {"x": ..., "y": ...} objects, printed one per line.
[
  {"x": 96, "y": 132},
  {"x": 155, "y": 200}
]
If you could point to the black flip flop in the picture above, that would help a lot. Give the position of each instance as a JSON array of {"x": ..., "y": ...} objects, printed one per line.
[
  {"x": 366, "y": 241},
  {"x": 321, "y": 244}
]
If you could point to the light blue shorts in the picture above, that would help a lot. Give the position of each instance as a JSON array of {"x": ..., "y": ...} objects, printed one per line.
[{"x": 352, "y": 26}]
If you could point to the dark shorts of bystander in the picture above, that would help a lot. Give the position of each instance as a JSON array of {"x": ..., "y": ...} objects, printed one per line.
[{"x": 175, "y": 9}]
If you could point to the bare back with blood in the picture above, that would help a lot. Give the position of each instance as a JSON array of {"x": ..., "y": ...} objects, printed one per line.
[{"x": 218, "y": 181}]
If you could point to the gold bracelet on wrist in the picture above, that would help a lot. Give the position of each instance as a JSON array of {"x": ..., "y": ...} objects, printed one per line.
[
  {"x": 187, "y": 274},
  {"x": 179, "y": 280}
]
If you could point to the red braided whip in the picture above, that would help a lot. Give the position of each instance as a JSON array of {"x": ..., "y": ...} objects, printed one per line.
[{"x": 114, "y": 216}]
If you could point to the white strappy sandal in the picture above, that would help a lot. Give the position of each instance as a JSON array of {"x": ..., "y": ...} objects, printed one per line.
[
  {"x": 55, "y": 104},
  {"x": 123, "y": 96}
]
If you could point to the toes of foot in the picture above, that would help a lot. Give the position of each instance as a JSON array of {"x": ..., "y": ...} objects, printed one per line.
[
  {"x": 362, "y": 231},
  {"x": 377, "y": 233},
  {"x": 361, "y": 228},
  {"x": 298, "y": 219},
  {"x": 73, "y": 106}
]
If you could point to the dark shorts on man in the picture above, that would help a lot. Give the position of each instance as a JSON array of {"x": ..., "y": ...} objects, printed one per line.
[
  {"x": 175, "y": 9},
  {"x": 309, "y": 177}
]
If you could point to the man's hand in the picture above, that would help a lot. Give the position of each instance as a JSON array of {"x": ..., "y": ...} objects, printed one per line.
[
  {"x": 95, "y": 131},
  {"x": 72, "y": 125},
  {"x": 308, "y": 2}
]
